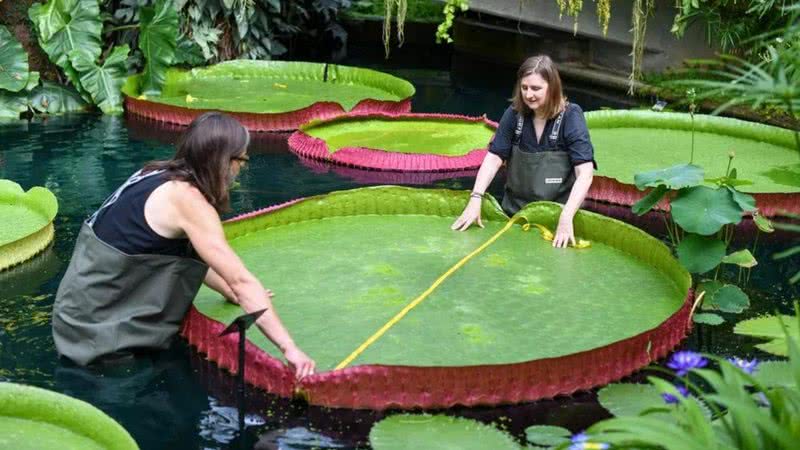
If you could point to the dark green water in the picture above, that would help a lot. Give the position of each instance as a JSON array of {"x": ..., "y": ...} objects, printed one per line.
[{"x": 179, "y": 401}]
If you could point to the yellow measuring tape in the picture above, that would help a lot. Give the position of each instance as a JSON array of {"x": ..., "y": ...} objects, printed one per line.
[{"x": 546, "y": 234}]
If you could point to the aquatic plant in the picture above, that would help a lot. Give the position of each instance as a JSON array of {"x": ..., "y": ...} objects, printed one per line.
[
  {"x": 684, "y": 361},
  {"x": 749, "y": 409}
]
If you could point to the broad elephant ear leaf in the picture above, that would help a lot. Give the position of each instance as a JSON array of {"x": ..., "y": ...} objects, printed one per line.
[
  {"x": 103, "y": 82},
  {"x": 158, "y": 42},
  {"x": 14, "y": 71},
  {"x": 52, "y": 98},
  {"x": 67, "y": 25}
]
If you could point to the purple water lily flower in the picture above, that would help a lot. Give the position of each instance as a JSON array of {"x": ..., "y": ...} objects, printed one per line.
[
  {"x": 683, "y": 362},
  {"x": 747, "y": 366},
  {"x": 581, "y": 442},
  {"x": 670, "y": 399}
]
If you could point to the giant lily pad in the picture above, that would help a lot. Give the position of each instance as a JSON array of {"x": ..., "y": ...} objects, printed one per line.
[
  {"x": 270, "y": 95},
  {"x": 32, "y": 419},
  {"x": 27, "y": 227},
  {"x": 509, "y": 325},
  {"x": 407, "y": 143},
  {"x": 407, "y": 431},
  {"x": 633, "y": 142}
]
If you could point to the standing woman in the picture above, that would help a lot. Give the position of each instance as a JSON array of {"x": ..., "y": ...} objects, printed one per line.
[
  {"x": 545, "y": 143},
  {"x": 140, "y": 259}
]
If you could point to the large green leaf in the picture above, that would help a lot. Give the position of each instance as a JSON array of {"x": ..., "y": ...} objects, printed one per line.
[
  {"x": 103, "y": 82},
  {"x": 12, "y": 104},
  {"x": 26, "y": 216},
  {"x": 407, "y": 431},
  {"x": 699, "y": 254},
  {"x": 651, "y": 199},
  {"x": 158, "y": 37},
  {"x": 67, "y": 25},
  {"x": 13, "y": 63},
  {"x": 745, "y": 201},
  {"x": 675, "y": 177},
  {"x": 728, "y": 298},
  {"x": 703, "y": 210},
  {"x": 35, "y": 418},
  {"x": 52, "y": 98},
  {"x": 547, "y": 435},
  {"x": 769, "y": 327}
]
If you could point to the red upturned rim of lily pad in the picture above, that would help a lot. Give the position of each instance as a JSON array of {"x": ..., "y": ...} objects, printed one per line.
[
  {"x": 310, "y": 147},
  {"x": 380, "y": 387}
]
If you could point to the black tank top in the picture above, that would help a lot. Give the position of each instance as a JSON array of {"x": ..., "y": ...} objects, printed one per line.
[{"x": 123, "y": 226}]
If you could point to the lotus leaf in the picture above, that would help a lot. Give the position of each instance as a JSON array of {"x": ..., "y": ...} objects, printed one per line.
[
  {"x": 699, "y": 254},
  {"x": 675, "y": 177},
  {"x": 742, "y": 258},
  {"x": 728, "y": 298},
  {"x": 408, "y": 431},
  {"x": 708, "y": 319},
  {"x": 33, "y": 419},
  {"x": 13, "y": 63},
  {"x": 704, "y": 210},
  {"x": 547, "y": 435}
]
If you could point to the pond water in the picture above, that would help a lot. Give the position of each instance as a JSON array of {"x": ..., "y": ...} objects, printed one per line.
[{"x": 178, "y": 400}]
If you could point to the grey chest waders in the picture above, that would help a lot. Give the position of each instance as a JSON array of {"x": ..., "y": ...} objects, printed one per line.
[
  {"x": 546, "y": 174},
  {"x": 109, "y": 301}
]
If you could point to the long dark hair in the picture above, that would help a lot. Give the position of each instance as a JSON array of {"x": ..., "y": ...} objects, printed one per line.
[
  {"x": 204, "y": 154},
  {"x": 545, "y": 68}
]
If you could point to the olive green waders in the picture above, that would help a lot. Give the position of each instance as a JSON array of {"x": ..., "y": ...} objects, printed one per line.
[
  {"x": 542, "y": 175},
  {"x": 109, "y": 301}
]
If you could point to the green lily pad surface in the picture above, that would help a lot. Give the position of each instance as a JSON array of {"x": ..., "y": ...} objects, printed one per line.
[
  {"x": 343, "y": 264},
  {"x": 407, "y": 431},
  {"x": 273, "y": 86},
  {"x": 631, "y": 142},
  {"x": 33, "y": 419},
  {"x": 422, "y": 135},
  {"x": 26, "y": 227}
]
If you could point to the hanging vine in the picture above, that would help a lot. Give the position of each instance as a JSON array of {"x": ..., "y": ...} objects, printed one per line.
[
  {"x": 402, "y": 8},
  {"x": 642, "y": 9}
]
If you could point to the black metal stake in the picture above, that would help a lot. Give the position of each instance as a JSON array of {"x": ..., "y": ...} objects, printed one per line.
[{"x": 240, "y": 325}]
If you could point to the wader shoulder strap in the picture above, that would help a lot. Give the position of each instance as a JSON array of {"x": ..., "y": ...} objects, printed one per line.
[
  {"x": 135, "y": 178},
  {"x": 518, "y": 130},
  {"x": 557, "y": 127}
]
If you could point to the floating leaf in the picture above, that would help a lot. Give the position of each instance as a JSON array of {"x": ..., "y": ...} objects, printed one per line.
[
  {"x": 13, "y": 62},
  {"x": 675, "y": 177},
  {"x": 703, "y": 210},
  {"x": 729, "y": 299},
  {"x": 103, "y": 82},
  {"x": 629, "y": 399},
  {"x": 708, "y": 319},
  {"x": 775, "y": 374},
  {"x": 651, "y": 199},
  {"x": 742, "y": 258},
  {"x": 547, "y": 435},
  {"x": 406, "y": 431},
  {"x": 769, "y": 327},
  {"x": 710, "y": 287}
]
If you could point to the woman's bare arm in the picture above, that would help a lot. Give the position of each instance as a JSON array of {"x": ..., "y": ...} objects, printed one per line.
[{"x": 584, "y": 174}]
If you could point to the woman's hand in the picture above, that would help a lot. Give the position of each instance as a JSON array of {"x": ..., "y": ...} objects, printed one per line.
[
  {"x": 471, "y": 214},
  {"x": 299, "y": 362},
  {"x": 564, "y": 233}
]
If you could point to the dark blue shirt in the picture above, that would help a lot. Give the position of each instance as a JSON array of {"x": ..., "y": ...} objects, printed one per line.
[{"x": 573, "y": 137}]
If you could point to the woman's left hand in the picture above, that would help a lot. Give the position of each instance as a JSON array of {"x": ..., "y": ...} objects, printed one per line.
[{"x": 564, "y": 233}]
